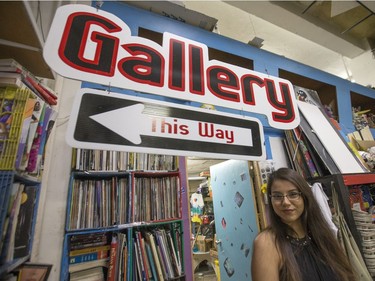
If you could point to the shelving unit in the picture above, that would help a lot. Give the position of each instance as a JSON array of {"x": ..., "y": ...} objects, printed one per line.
[
  {"x": 23, "y": 234},
  {"x": 26, "y": 121},
  {"x": 133, "y": 204},
  {"x": 363, "y": 101},
  {"x": 342, "y": 183}
]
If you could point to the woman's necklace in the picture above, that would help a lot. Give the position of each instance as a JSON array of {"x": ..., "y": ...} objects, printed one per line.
[{"x": 301, "y": 242}]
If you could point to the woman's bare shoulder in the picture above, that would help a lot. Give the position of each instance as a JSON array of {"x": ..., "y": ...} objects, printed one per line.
[
  {"x": 265, "y": 238},
  {"x": 266, "y": 260}
]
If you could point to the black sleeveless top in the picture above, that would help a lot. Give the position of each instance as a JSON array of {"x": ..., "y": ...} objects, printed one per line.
[{"x": 307, "y": 257}]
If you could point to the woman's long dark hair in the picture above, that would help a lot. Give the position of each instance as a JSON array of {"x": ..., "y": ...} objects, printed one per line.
[{"x": 313, "y": 223}]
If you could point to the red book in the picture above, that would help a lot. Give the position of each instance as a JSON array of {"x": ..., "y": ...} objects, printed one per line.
[
  {"x": 144, "y": 255},
  {"x": 112, "y": 260},
  {"x": 49, "y": 91},
  {"x": 50, "y": 100}
]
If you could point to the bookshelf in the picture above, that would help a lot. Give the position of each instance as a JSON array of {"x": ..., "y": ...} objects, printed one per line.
[
  {"x": 19, "y": 198},
  {"x": 26, "y": 120},
  {"x": 364, "y": 108},
  {"x": 125, "y": 211}
]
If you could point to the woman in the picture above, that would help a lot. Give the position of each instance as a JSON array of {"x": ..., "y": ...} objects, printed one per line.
[{"x": 298, "y": 245}]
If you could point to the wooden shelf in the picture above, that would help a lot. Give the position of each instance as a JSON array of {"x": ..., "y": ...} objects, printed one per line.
[{"x": 20, "y": 39}]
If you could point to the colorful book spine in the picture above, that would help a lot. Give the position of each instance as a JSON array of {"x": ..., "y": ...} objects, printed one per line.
[
  {"x": 89, "y": 257},
  {"x": 112, "y": 260},
  {"x": 309, "y": 162},
  {"x": 151, "y": 240},
  {"x": 89, "y": 250},
  {"x": 41, "y": 91},
  {"x": 28, "y": 112},
  {"x": 151, "y": 262},
  {"x": 140, "y": 259}
]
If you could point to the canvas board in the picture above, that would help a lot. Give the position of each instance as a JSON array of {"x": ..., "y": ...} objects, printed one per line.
[{"x": 330, "y": 138}]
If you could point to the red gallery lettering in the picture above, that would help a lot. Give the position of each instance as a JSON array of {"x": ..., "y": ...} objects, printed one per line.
[{"x": 100, "y": 45}]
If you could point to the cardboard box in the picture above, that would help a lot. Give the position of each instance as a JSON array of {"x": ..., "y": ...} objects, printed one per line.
[
  {"x": 214, "y": 246},
  {"x": 364, "y": 145},
  {"x": 203, "y": 244}
]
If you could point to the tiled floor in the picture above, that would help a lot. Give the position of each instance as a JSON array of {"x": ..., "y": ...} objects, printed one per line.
[
  {"x": 204, "y": 273},
  {"x": 205, "y": 277}
]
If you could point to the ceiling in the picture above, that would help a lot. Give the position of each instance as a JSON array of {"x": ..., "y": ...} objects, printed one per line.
[
  {"x": 346, "y": 27},
  {"x": 353, "y": 21}
]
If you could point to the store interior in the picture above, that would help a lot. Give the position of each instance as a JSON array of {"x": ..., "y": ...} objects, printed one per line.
[
  {"x": 203, "y": 252},
  {"x": 287, "y": 28}
]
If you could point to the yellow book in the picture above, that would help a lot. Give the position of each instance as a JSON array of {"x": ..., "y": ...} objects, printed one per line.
[{"x": 89, "y": 250}]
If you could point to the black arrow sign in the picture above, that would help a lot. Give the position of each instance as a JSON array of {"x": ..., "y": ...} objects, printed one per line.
[{"x": 119, "y": 122}]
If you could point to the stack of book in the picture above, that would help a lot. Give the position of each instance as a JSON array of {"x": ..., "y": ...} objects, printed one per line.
[
  {"x": 88, "y": 251},
  {"x": 13, "y": 74},
  {"x": 91, "y": 274}
]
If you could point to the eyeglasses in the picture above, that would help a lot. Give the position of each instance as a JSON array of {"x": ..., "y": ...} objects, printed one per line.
[{"x": 292, "y": 196}]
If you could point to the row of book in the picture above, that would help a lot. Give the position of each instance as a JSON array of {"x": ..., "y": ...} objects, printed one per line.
[
  {"x": 17, "y": 227},
  {"x": 105, "y": 160},
  {"x": 99, "y": 203},
  {"x": 156, "y": 198},
  {"x": 89, "y": 256},
  {"x": 110, "y": 201},
  {"x": 157, "y": 255},
  {"x": 144, "y": 255}
]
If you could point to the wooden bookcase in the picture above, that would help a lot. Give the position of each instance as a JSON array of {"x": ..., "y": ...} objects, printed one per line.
[{"x": 140, "y": 207}]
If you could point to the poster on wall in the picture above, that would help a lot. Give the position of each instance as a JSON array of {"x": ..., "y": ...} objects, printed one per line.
[{"x": 93, "y": 45}]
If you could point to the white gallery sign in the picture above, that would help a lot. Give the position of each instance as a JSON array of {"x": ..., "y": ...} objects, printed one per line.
[{"x": 90, "y": 44}]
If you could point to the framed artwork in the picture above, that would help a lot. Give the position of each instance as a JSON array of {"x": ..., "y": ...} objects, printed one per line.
[
  {"x": 34, "y": 272},
  {"x": 307, "y": 95}
]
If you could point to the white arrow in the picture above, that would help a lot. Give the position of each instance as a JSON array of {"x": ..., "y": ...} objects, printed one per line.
[
  {"x": 130, "y": 123},
  {"x": 121, "y": 121}
]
